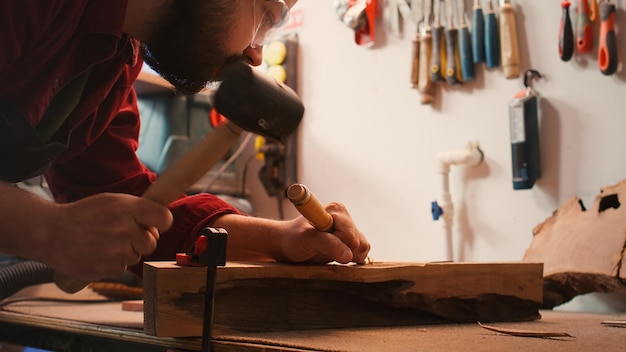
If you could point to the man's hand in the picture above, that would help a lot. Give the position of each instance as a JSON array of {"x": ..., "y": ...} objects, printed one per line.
[
  {"x": 100, "y": 236},
  {"x": 345, "y": 244}
]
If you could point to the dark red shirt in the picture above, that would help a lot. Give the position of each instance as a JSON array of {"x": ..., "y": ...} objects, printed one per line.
[{"x": 46, "y": 44}]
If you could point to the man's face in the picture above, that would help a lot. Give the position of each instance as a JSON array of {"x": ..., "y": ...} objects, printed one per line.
[{"x": 196, "y": 39}]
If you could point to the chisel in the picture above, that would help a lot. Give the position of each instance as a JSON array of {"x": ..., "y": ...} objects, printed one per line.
[
  {"x": 310, "y": 207},
  {"x": 607, "y": 48},
  {"x": 478, "y": 33},
  {"x": 584, "y": 33},
  {"x": 425, "y": 84},
  {"x": 465, "y": 48},
  {"x": 492, "y": 38},
  {"x": 453, "y": 74},
  {"x": 415, "y": 62},
  {"x": 437, "y": 58},
  {"x": 509, "y": 47},
  {"x": 566, "y": 33}
]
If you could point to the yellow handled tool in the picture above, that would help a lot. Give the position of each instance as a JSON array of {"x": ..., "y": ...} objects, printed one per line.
[{"x": 310, "y": 207}]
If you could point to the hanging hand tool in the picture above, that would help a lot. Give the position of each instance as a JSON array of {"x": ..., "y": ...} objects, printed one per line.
[
  {"x": 492, "y": 38},
  {"x": 584, "y": 33},
  {"x": 425, "y": 84},
  {"x": 593, "y": 10},
  {"x": 607, "y": 48},
  {"x": 509, "y": 47},
  {"x": 478, "y": 33},
  {"x": 566, "y": 33},
  {"x": 438, "y": 55},
  {"x": 453, "y": 63},
  {"x": 310, "y": 207},
  {"x": 465, "y": 47},
  {"x": 415, "y": 62},
  {"x": 251, "y": 101}
]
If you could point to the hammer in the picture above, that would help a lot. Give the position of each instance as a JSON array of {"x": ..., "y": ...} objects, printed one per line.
[{"x": 250, "y": 101}]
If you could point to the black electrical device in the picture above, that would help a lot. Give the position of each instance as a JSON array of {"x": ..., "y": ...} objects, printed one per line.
[{"x": 524, "y": 128}]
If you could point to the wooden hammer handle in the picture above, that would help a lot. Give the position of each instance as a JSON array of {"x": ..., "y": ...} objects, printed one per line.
[
  {"x": 175, "y": 181},
  {"x": 187, "y": 170},
  {"x": 310, "y": 207}
]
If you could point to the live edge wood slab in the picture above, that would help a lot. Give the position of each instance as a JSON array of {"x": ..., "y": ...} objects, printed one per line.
[{"x": 279, "y": 297}]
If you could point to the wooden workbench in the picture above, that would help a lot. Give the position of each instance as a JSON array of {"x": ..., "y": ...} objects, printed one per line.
[{"x": 42, "y": 325}]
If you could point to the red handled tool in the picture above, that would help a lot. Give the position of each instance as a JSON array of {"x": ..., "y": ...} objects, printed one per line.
[
  {"x": 607, "y": 48},
  {"x": 584, "y": 33},
  {"x": 566, "y": 33}
]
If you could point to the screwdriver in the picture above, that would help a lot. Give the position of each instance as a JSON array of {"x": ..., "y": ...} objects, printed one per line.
[
  {"x": 465, "y": 48},
  {"x": 566, "y": 34},
  {"x": 509, "y": 47},
  {"x": 437, "y": 58},
  {"x": 478, "y": 33},
  {"x": 584, "y": 33},
  {"x": 492, "y": 38},
  {"x": 607, "y": 48},
  {"x": 453, "y": 74},
  {"x": 425, "y": 84}
]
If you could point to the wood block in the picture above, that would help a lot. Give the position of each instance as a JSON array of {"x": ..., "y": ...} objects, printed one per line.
[
  {"x": 582, "y": 249},
  {"x": 279, "y": 297}
]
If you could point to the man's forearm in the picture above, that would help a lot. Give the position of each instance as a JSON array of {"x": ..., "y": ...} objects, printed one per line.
[
  {"x": 25, "y": 221},
  {"x": 252, "y": 238}
]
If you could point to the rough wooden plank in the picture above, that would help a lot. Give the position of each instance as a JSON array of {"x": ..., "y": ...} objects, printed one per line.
[
  {"x": 274, "y": 297},
  {"x": 582, "y": 249}
]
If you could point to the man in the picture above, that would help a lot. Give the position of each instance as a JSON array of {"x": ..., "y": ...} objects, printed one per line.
[{"x": 97, "y": 227}]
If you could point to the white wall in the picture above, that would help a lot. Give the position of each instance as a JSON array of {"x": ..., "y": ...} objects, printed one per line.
[{"x": 367, "y": 141}]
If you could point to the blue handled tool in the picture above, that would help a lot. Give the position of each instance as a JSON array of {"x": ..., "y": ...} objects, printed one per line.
[
  {"x": 478, "y": 33},
  {"x": 492, "y": 38},
  {"x": 465, "y": 47}
]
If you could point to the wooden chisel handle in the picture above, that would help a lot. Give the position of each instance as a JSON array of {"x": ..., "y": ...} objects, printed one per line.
[
  {"x": 175, "y": 181},
  {"x": 509, "y": 47},
  {"x": 425, "y": 84},
  {"x": 415, "y": 62},
  {"x": 310, "y": 207},
  {"x": 194, "y": 164}
]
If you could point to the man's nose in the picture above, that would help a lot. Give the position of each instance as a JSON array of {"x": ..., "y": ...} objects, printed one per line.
[{"x": 254, "y": 54}]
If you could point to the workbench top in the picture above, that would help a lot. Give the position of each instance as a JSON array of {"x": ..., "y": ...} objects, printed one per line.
[{"x": 46, "y": 318}]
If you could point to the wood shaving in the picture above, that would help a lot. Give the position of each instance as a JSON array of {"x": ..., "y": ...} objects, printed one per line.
[{"x": 525, "y": 333}]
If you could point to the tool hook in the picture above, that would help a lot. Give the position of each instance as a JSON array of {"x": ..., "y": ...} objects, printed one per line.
[{"x": 529, "y": 75}]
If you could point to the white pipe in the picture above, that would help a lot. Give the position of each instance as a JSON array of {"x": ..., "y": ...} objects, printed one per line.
[{"x": 471, "y": 156}]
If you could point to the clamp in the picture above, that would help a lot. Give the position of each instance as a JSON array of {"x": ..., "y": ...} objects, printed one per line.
[{"x": 208, "y": 250}]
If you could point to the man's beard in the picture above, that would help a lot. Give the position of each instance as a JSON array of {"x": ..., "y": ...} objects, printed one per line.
[{"x": 187, "y": 49}]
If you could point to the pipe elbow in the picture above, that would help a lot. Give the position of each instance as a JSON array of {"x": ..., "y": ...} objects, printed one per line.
[{"x": 471, "y": 156}]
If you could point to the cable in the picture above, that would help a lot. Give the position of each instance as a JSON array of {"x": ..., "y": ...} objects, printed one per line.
[{"x": 228, "y": 162}]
